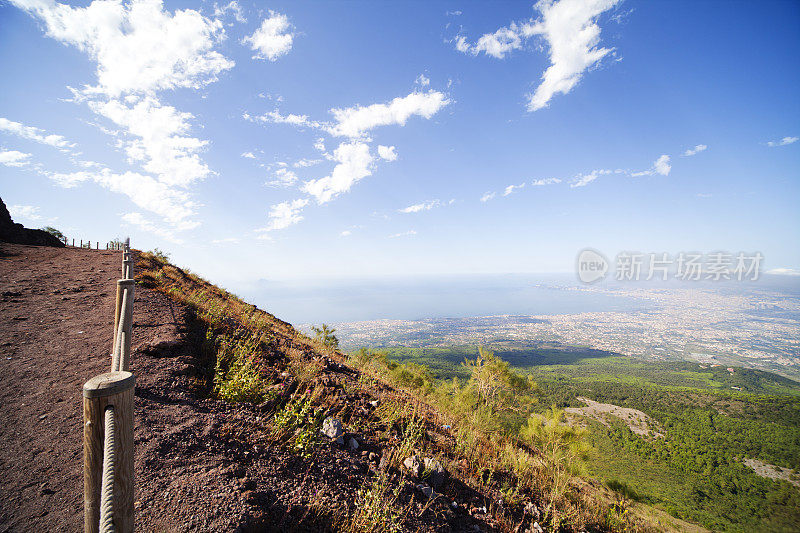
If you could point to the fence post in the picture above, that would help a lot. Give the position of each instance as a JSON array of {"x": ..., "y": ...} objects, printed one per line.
[
  {"x": 122, "y": 284},
  {"x": 110, "y": 389}
]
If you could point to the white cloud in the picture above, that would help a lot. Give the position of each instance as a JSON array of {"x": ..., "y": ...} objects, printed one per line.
[
  {"x": 272, "y": 39},
  {"x": 354, "y": 162},
  {"x": 27, "y": 212},
  {"x": 234, "y": 8},
  {"x": 248, "y": 155},
  {"x": 408, "y": 233},
  {"x": 569, "y": 27},
  {"x": 571, "y": 31},
  {"x": 387, "y": 152},
  {"x": 696, "y": 150},
  {"x": 511, "y": 188},
  {"x": 660, "y": 166},
  {"x": 784, "y": 271},
  {"x": 227, "y": 240},
  {"x": 157, "y": 138},
  {"x": 275, "y": 117},
  {"x": 496, "y": 44},
  {"x": 545, "y": 181},
  {"x": 303, "y": 163},
  {"x": 146, "y": 192},
  {"x": 423, "y": 206},
  {"x": 140, "y": 49},
  {"x": 34, "y": 134},
  {"x": 582, "y": 180},
  {"x": 13, "y": 158},
  {"x": 137, "y": 219},
  {"x": 422, "y": 80},
  {"x": 138, "y": 46},
  {"x": 345, "y": 233},
  {"x": 784, "y": 141},
  {"x": 358, "y": 120},
  {"x": 283, "y": 178},
  {"x": 488, "y": 196},
  {"x": 283, "y": 215}
]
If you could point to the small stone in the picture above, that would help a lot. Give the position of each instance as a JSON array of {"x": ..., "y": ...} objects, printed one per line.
[
  {"x": 537, "y": 528},
  {"x": 332, "y": 427},
  {"x": 374, "y": 403},
  {"x": 352, "y": 444},
  {"x": 435, "y": 472},
  {"x": 425, "y": 489},
  {"x": 413, "y": 465}
]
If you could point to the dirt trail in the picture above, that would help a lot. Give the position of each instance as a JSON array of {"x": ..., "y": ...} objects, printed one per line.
[
  {"x": 201, "y": 464},
  {"x": 56, "y": 321}
]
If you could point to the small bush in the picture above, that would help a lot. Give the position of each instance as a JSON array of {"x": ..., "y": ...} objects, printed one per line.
[
  {"x": 54, "y": 232},
  {"x": 159, "y": 255}
]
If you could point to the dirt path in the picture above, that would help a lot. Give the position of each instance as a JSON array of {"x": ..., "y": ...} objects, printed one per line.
[
  {"x": 56, "y": 321},
  {"x": 201, "y": 465}
]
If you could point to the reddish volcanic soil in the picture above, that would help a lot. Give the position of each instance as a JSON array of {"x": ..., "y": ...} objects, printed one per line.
[{"x": 200, "y": 464}]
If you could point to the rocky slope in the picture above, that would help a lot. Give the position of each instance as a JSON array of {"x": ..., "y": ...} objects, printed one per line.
[{"x": 322, "y": 447}]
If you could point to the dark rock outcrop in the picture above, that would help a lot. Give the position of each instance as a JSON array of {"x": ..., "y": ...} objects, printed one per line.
[{"x": 18, "y": 234}]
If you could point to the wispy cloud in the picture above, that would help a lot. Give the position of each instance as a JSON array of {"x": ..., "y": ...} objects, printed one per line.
[
  {"x": 283, "y": 215},
  {"x": 784, "y": 141},
  {"x": 425, "y": 206},
  {"x": 14, "y": 158},
  {"x": 488, "y": 196},
  {"x": 408, "y": 233},
  {"x": 248, "y": 155},
  {"x": 570, "y": 30},
  {"x": 354, "y": 162},
  {"x": 511, "y": 188},
  {"x": 582, "y": 180},
  {"x": 545, "y": 181},
  {"x": 140, "y": 49},
  {"x": 283, "y": 177},
  {"x": 345, "y": 233},
  {"x": 27, "y": 212},
  {"x": 660, "y": 166},
  {"x": 139, "y": 220},
  {"x": 696, "y": 150},
  {"x": 34, "y": 134}
]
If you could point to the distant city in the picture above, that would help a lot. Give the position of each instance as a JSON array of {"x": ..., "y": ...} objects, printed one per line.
[{"x": 756, "y": 329}]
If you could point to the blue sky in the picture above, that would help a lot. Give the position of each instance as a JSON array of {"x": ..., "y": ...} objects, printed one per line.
[{"x": 319, "y": 139}]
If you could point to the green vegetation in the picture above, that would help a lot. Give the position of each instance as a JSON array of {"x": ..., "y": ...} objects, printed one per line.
[
  {"x": 712, "y": 418},
  {"x": 159, "y": 255},
  {"x": 54, "y": 232},
  {"x": 491, "y": 408},
  {"x": 326, "y": 337}
]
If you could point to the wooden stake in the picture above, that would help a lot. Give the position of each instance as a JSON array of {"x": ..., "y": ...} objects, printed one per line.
[
  {"x": 112, "y": 388},
  {"x": 121, "y": 285}
]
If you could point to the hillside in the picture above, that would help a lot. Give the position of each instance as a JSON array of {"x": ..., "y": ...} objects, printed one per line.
[
  {"x": 230, "y": 404},
  {"x": 712, "y": 444}
]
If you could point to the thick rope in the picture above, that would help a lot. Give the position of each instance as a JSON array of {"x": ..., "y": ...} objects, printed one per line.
[
  {"x": 107, "y": 487},
  {"x": 116, "y": 357}
]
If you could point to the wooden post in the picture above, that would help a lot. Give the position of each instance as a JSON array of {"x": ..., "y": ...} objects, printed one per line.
[
  {"x": 116, "y": 389},
  {"x": 121, "y": 285}
]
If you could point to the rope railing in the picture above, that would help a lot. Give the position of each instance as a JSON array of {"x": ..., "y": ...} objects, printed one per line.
[
  {"x": 108, "y": 424},
  {"x": 87, "y": 245}
]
